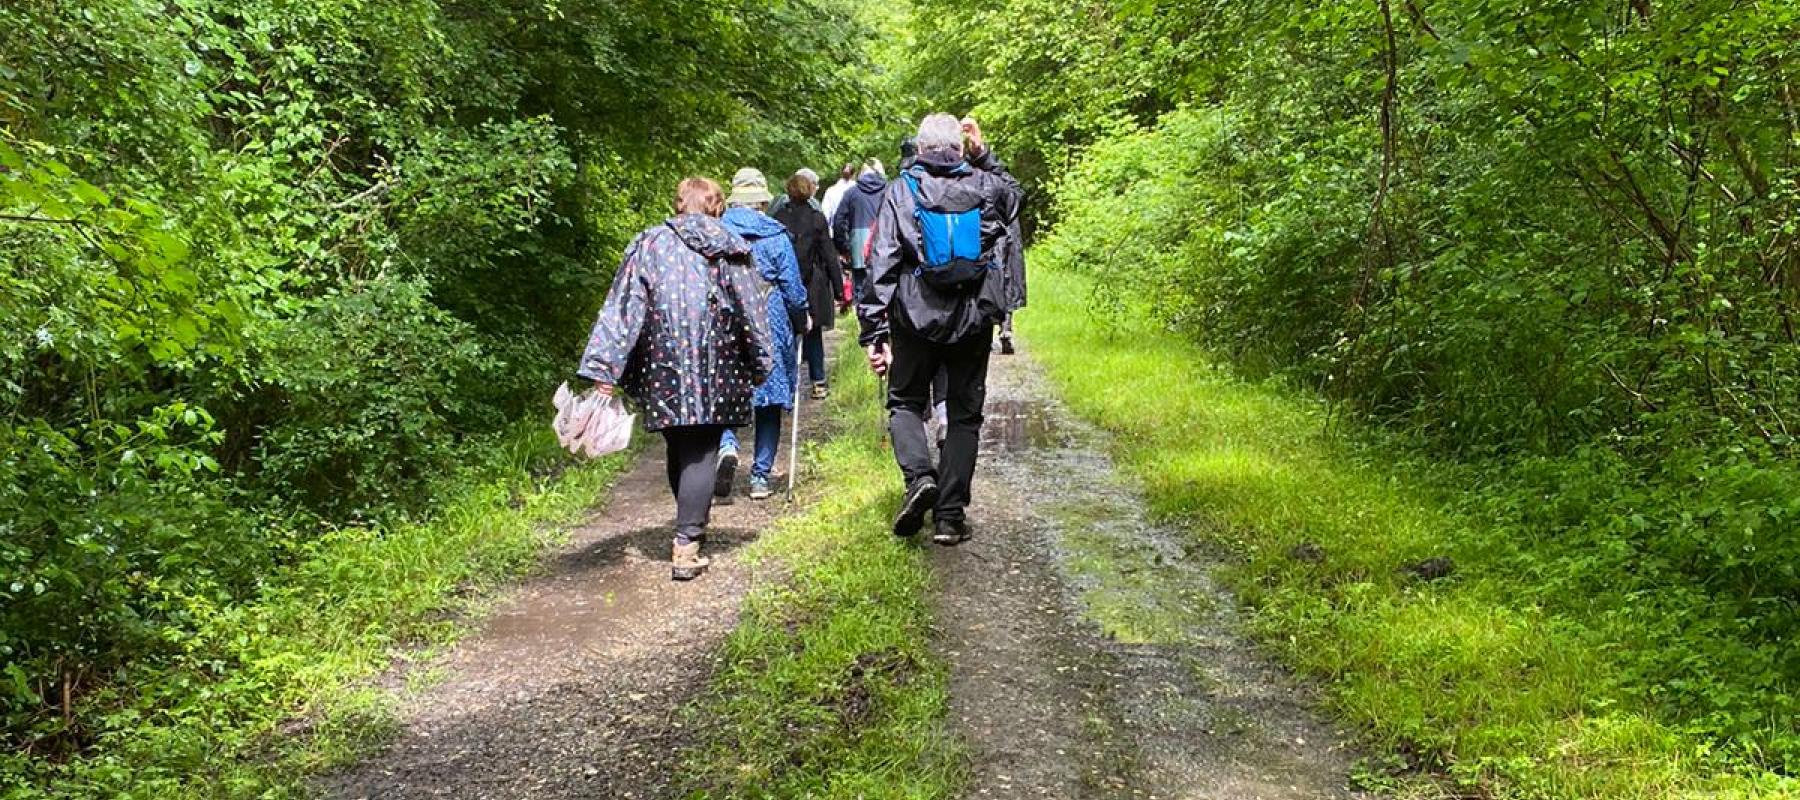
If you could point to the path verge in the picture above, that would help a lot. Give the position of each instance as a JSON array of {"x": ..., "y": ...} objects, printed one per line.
[
  {"x": 274, "y": 689},
  {"x": 1357, "y": 572}
]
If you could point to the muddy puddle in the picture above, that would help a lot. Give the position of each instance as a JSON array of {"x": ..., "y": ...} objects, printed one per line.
[
  {"x": 1015, "y": 425},
  {"x": 1092, "y": 653}
]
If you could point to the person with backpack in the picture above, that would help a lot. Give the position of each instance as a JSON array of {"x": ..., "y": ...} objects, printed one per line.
[
  {"x": 855, "y": 215},
  {"x": 938, "y": 276},
  {"x": 787, "y": 318},
  {"x": 681, "y": 332},
  {"x": 820, "y": 270}
]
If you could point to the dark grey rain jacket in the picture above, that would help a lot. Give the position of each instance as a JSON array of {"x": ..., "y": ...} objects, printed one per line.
[{"x": 896, "y": 296}]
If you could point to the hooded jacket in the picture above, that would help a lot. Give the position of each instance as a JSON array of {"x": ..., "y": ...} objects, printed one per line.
[
  {"x": 785, "y": 308},
  {"x": 682, "y": 331},
  {"x": 819, "y": 266},
  {"x": 856, "y": 215},
  {"x": 896, "y": 295}
]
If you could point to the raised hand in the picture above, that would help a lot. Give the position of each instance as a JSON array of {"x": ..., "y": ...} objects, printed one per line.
[{"x": 972, "y": 131}]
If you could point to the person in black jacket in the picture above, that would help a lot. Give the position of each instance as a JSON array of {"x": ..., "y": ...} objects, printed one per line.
[
  {"x": 913, "y": 324},
  {"x": 820, "y": 270}
]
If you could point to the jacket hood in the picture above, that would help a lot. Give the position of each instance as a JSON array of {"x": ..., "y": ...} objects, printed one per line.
[
  {"x": 752, "y": 224},
  {"x": 946, "y": 187},
  {"x": 871, "y": 182},
  {"x": 937, "y": 163},
  {"x": 708, "y": 237}
]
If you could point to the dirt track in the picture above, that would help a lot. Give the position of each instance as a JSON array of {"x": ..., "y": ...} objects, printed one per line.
[
  {"x": 1092, "y": 656},
  {"x": 572, "y": 689}
]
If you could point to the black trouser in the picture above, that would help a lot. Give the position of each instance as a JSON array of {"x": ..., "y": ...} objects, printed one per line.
[
  {"x": 693, "y": 464},
  {"x": 915, "y": 364},
  {"x": 814, "y": 348}
]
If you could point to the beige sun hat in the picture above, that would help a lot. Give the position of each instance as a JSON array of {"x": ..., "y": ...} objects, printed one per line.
[{"x": 749, "y": 187}]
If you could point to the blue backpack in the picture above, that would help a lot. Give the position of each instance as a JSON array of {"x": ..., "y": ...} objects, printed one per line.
[{"x": 950, "y": 244}]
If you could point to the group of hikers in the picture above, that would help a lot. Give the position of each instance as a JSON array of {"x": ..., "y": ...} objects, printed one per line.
[{"x": 711, "y": 312}]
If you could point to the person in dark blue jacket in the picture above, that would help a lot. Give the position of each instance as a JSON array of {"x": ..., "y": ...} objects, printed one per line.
[{"x": 855, "y": 218}]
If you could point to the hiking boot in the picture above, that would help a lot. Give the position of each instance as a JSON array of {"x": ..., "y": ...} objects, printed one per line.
[
  {"x": 686, "y": 563},
  {"x": 821, "y": 391},
  {"x": 1006, "y": 345},
  {"x": 759, "y": 488},
  {"x": 727, "y": 473},
  {"x": 921, "y": 495},
  {"x": 950, "y": 532}
]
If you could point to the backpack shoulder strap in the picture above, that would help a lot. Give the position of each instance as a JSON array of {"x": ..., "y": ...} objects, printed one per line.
[{"x": 912, "y": 183}]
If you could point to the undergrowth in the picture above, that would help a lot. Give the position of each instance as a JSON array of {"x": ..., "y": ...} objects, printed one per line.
[
  {"x": 266, "y": 692},
  {"x": 829, "y": 688},
  {"x": 1485, "y": 682}
]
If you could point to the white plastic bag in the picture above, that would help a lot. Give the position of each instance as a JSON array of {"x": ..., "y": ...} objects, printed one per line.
[{"x": 591, "y": 425}]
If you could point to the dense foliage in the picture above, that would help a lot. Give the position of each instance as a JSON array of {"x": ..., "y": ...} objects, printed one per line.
[
  {"x": 272, "y": 268},
  {"x": 1557, "y": 240}
]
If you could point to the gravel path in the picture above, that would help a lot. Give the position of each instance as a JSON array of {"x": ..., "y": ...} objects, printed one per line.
[
  {"x": 572, "y": 688},
  {"x": 1092, "y": 656}
]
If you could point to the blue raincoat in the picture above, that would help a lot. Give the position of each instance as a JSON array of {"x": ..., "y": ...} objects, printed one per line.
[{"x": 775, "y": 261}]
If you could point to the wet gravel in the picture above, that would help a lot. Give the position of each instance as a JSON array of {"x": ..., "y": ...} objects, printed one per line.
[
  {"x": 1054, "y": 704},
  {"x": 573, "y": 687}
]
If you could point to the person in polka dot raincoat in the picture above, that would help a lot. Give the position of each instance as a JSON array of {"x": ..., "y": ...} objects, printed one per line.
[{"x": 684, "y": 334}]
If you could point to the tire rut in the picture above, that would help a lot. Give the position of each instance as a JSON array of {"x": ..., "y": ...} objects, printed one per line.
[
  {"x": 574, "y": 686},
  {"x": 1092, "y": 655}
]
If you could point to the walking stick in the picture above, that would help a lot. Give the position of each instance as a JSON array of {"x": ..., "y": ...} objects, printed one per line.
[{"x": 794, "y": 436}]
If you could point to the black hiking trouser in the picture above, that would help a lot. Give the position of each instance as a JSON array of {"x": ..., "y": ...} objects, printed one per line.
[
  {"x": 693, "y": 463},
  {"x": 915, "y": 364}
]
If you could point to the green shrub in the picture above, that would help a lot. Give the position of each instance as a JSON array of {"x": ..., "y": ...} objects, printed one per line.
[
  {"x": 274, "y": 271},
  {"x": 370, "y": 396}
]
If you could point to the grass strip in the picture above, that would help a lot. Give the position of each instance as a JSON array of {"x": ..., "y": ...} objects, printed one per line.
[
  {"x": 1462, "y": 684},
  {"x": 828, "y": 687},
  {"x": 267, "y": 693}
]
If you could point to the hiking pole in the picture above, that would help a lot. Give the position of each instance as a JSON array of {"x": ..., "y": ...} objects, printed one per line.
[{"x": 794, "y": 436}]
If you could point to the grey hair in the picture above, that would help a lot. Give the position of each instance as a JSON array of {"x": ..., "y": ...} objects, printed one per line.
[
  {"x": 873, "y": 165},
  {"x": 941, "y": 134}
]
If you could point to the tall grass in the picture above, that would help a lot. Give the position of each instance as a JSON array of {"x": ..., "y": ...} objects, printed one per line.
[{"x": 1460, "y": 681}]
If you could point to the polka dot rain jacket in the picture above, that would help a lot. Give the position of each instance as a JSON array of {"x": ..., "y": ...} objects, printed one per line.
[{"x": 681, "y": 332}]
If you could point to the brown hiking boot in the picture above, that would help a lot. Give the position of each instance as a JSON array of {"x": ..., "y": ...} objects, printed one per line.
[{"x": 686, "y": 563}]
